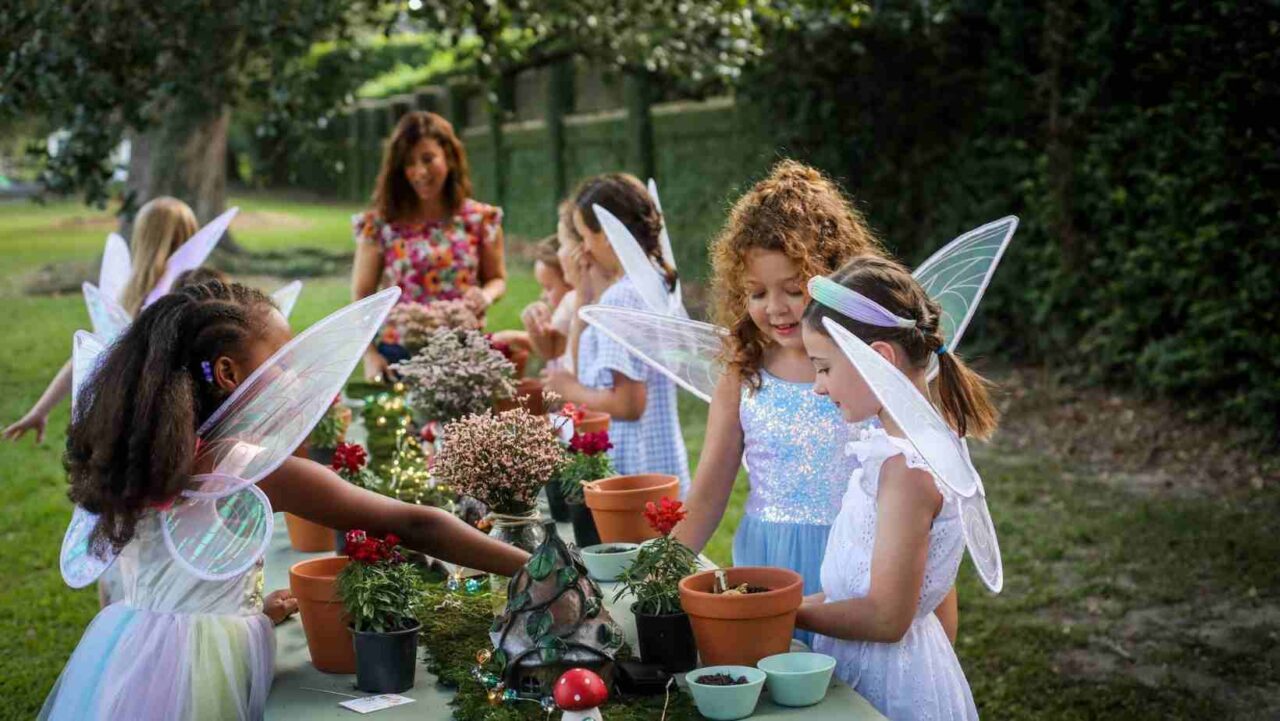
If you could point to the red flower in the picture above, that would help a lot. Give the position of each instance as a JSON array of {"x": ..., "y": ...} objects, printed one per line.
[
  {"x": 349, "y": 457},
  {"x": 574, "y": 411},
  {"x": 664, "y": 516},
  {"x": 428, "y": 433},
  {"x": 503, "y": 348},
  {"x": 590, "y": 444},
  {"x": 367, "y": 549}
]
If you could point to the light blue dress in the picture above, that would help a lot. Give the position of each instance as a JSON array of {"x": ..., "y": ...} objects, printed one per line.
[{"x": 794, "y": 443}]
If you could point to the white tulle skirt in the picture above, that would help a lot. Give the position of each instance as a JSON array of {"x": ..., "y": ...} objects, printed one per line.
[{"x": 138, "y": 665}]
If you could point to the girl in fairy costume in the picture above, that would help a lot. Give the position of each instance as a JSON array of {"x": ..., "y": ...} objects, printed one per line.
[{"x": 178, "y": 456}]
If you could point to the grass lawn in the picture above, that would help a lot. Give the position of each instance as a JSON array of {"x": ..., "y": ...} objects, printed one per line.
[{"x": 1117, "y": 604}]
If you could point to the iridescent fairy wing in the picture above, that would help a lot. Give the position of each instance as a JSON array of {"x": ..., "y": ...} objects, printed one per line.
[
  {"x": 116, "y": 267},
  {"x": 108, "y": 318},
  {"x": 81, "y": 567},
  {"x": 942, "y": 450},
  {"x": 286, "y": 297},
  {"x": 638, "y": 266},
  {"x": 191, "y": 254},
  {"x": 664, "y": 239},
  {"x": 221, "y": 524},
  {"x": 957, "y": 275},
  {"x": 684, "y": 350}
]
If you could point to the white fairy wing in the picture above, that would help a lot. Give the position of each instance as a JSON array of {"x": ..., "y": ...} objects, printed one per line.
[
  {"x": 958, "y": 274},
  {"x": 218, "y": 528},
  {"x": 646, "y": 277},
  {"x": 943, "y": 451},
  {"x": 684, "y": 350},
  {"x": 108, "y": 318},
  {"x": 78, "y": 564},
  {"x": 286, "y": 297},
  {"x": 116, "y": 267},
  {"x": 191, "y": 254},
  {"x": 664, "y": 240}
]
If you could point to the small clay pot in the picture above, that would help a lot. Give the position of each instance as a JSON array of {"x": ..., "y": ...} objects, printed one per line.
[
  {"x": 618, "y": 504},
  {"x": 592, "y": 422},
  {"x": 386, "y": 662},
  {"x": 314, "y": 584},
  {"x": 739, "y": 630},
  {"x": 307, "y": 536},
  {"x": 584, "y": 525},
  {"x": 528, "y": 396}
]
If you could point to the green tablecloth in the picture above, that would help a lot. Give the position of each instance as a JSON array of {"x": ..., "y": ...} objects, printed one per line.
[{"x": 302, "y": 692}]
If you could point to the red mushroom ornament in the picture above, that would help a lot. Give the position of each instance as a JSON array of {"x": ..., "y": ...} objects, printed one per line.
[{"x": 579, "y": 693}]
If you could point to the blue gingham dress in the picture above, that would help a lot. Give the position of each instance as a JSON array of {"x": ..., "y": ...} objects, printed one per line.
[{"x": 652, "y": 444}]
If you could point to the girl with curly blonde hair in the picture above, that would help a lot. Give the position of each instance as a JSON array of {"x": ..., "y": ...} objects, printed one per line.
[{"x": 789, "y": 227}]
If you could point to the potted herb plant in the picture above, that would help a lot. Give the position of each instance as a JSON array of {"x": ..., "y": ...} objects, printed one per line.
[
  {"x": 588, "y": 460},
  {"x": 456, "y": 374},
  {"x": 383, "y": 595},
  {"x": 662, "y": 626}
]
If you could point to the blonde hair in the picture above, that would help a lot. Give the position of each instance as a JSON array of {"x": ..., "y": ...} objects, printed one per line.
[
  {"x": 796, "y": 211},
  {"x": 162, "y": 225}
]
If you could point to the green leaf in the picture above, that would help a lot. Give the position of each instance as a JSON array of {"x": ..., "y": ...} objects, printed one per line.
[
  {"x": 542, "y": 563},
  {"x": 499, "y": 659},
  {"x": 552, "y": 648},
  {"x": 592, "y": 608},
  {"x": 518, "y": 601},
  {"x": 567, "y": 576},
  {"x": 538, "y": 624}
]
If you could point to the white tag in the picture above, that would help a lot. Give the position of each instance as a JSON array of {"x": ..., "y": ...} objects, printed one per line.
[{"x": 369, "y": 704}]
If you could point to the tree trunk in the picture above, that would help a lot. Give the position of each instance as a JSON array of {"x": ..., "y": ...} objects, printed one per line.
[{"x": 186, "y": 158}]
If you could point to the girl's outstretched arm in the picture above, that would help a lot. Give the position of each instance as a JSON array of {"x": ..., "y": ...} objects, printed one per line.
[
  {"x": 306, "y": 488},
  {"x": 717, "y": 466},
  {"x": 907, "y": 503},
  {"x": 38, "y": 416},
  {"x": 625, "y": 401}
]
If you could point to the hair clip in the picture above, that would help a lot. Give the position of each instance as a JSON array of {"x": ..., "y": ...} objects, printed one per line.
[
  {"x": 208, "y": 371},
  {"x": 941, "y": 349}
]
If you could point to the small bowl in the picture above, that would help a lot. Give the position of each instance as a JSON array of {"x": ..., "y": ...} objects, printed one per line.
[
  {"x": 726, "y": 703},
  {"x": 608, "y": 566},
  {"x": 798, "y": 679}
]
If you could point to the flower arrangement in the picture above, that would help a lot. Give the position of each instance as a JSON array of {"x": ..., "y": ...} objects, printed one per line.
[
  {"x": 351, "y": 462},
  {"x": 654, "y": 577},
  {"x": 457, "y": 373},
  {"x": 501, "y": 460},
  {"x": 380, "y": 589},
  {"x": 588, "y": 461},
  {"x": 332, "y": 428},
  {"x": 411, "y": 324}
]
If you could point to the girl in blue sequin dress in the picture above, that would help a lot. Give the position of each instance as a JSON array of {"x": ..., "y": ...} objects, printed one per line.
[{"x": 792, "y": 225}]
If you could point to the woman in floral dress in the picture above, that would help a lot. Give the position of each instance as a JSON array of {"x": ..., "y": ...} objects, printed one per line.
[{"x": 423, "y": 231}]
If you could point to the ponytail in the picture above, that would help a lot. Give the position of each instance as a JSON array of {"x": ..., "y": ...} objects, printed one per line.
[
  {"x": 132, "y": 443},
  {"x": 964, "y": 398}
]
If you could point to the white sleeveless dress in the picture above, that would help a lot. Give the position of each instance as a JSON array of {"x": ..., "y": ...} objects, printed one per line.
[
  {"x": 175, "y": 646},
  {"x": 919, "y": 677}
]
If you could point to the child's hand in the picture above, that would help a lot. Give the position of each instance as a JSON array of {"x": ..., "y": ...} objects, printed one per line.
[
  {"x": 375, "y": 366},
  {"x": 279, "y": 606},
  {"x": 561, "y": 382},
  {"x": 32, "y": 421},
  {"x": 536, "y": 318},
  {"x": 476, "y": 296}
]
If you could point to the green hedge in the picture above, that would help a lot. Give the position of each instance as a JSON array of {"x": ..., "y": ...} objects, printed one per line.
[{"x": 1130, "y": 138}]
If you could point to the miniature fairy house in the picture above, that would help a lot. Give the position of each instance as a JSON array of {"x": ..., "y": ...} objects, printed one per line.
[{"x": 554, "y": 620}]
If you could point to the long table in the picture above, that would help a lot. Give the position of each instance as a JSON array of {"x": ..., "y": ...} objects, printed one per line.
[{"x": 302, "y": 692}]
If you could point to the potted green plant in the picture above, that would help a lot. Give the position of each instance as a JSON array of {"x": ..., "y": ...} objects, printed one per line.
[
  {"x": 456, "y": 373},
  {"x": 666, "y": 638},
  {"x": 588, "y": 460},
  {"x": 383, "y": 595}
]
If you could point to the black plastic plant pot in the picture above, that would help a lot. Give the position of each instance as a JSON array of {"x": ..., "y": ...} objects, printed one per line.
[
  {"x": 666, "y": 640},
  {"x": 584, "y": 525},
  {"x": 555, "y": 501},
  {"x": 386, "y": 662},
  {"x": 323, "y": 456},
  {"x": 339, "y": 543}
]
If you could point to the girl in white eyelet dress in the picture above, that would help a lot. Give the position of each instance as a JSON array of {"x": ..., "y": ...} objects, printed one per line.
[{"x": 894, "y": 549}]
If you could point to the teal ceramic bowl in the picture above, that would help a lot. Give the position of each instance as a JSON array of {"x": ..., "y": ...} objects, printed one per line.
[
  {"x": 798, "y": 679},
  {"x": 608, "y": 566},
  {"x": 726, "y": 703}
]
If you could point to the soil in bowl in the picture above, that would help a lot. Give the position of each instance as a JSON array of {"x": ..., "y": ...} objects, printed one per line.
[
  {"x": 721, "y": 679},
  {"x": 744, "y": 589},
  {"x": 612, "y": 549}
]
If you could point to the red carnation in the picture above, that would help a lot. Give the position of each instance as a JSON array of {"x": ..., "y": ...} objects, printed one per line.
[
  {"x": 349, "y": 458},
  {"x": 664, "y": 515},
  {"x": 590, "y": 444}
]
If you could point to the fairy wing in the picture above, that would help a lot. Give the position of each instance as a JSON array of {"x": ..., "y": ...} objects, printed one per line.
[
  {"x": 108, "y": 318},
  {"x": 958, "y": 274},
  {"x": 942, "y": 450},
  {"x": 664, "y": 239},
  {"x": 221, "y": 525},
  {"x": 191, "y": 254},
  {"x": 684, "y": 350},
  {"x": 286, "y": 297},
  {"x": 79, "y": 565},
  {"x": 116, "y": 267},
  {"x": 646, "y": 277}
]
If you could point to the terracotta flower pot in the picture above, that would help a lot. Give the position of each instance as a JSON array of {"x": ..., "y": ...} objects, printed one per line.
[
  {"x": 307, "y": 536},
  {"x": 314, "y": 584},
  {"x": 528, "y": 396},
  {"x": 739, "y": 630},
  {"x": 593, "y": 422},
  {"x": 618, "y": 503}
]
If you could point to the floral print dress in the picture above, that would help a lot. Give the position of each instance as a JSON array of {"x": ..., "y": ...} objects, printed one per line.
[{"x": 436, "y": 260}]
